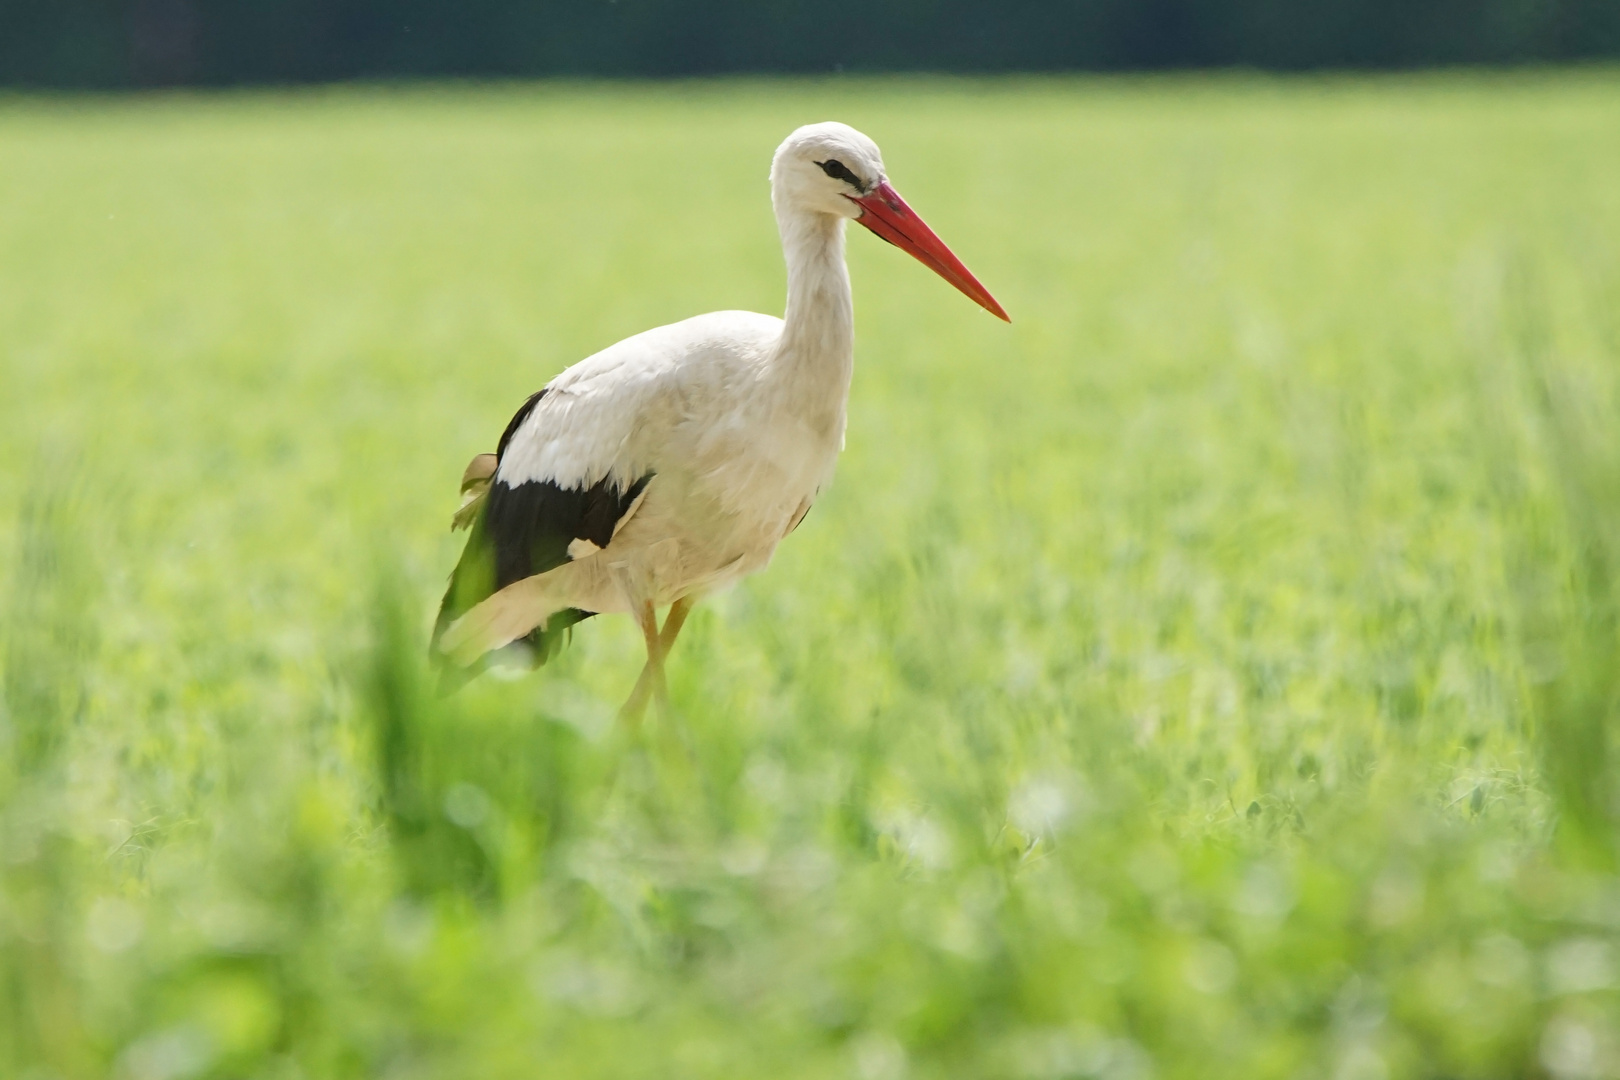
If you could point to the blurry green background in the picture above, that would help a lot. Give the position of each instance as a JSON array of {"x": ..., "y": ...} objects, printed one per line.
[{"x": 1213, "y": 673}]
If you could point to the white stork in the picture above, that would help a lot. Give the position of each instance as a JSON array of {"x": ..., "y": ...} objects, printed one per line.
[{"x": 671, "y": 464}]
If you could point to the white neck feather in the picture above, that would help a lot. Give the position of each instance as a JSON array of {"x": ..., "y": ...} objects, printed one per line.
[{"x": 816, "y": 354}]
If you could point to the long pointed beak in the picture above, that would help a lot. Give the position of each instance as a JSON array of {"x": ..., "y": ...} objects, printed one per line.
[{"x": 886, "y": 213}]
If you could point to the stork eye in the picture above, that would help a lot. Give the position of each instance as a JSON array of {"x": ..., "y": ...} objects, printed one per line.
[{"x": 839, "y": 171}]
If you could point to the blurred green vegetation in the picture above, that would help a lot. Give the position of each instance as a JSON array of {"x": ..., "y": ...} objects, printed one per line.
[{"x": 1212, "y": 674}]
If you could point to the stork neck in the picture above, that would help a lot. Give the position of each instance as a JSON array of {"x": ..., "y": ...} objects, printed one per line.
[{"x": 819, "y": 327}]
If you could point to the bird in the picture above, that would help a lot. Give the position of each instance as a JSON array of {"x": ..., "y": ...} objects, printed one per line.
[{"x": 670, "y": 465}]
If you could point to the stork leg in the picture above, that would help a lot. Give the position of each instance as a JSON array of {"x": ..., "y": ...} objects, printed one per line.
[
  {"x": 636, "y": 704},
  {"x": 666, "y": 641},
  {"x": 651, "y": 683}
]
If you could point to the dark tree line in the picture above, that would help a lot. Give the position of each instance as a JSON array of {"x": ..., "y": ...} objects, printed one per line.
[{"x": 121, "y": 43}]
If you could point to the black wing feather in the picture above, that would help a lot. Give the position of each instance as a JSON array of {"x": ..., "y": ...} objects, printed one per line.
[{"x": 517, "y": 421}]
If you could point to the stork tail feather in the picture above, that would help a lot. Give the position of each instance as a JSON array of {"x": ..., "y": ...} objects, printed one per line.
[{"x": 475, "y": 481}]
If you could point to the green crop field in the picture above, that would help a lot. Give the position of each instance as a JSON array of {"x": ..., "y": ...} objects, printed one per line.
[{"x": 1212, "y": 674}]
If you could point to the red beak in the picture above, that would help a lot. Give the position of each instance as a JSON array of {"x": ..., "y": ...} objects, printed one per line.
[{"x": 886, "y": 213}]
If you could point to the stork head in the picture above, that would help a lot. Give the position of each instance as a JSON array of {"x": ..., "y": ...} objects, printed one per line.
[{"x": 830, "y": 168}]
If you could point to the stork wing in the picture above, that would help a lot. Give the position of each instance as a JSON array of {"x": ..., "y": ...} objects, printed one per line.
[{"x": 527, "y": 527}]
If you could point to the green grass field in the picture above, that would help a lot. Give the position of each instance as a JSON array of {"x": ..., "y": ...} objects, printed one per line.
[{"x": 1212, "y": 674}]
